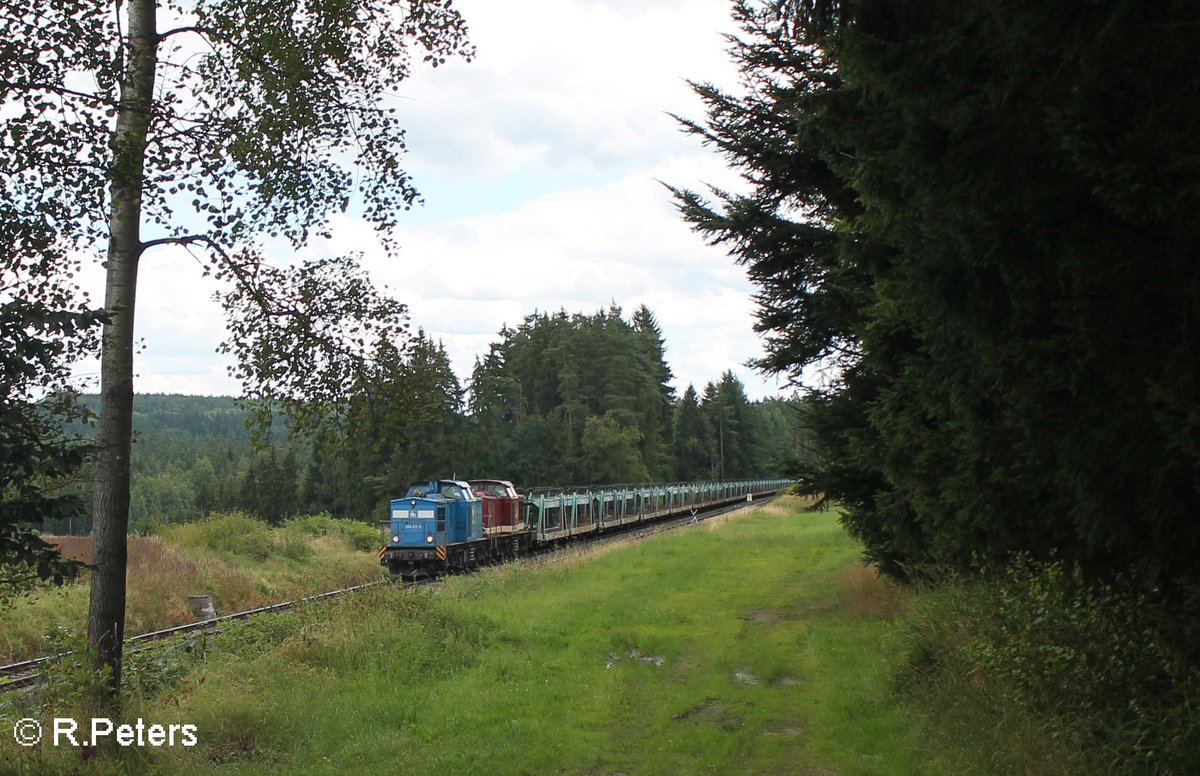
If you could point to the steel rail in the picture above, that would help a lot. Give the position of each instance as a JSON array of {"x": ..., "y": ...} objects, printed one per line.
[
  {"x": 25, "y": 672},
  {"x": 682, "y": 521}
]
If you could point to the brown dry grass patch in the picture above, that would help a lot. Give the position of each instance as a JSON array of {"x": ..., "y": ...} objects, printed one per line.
[
  {"x": 863, "y": 593},
  {"x": 781, "y": 506},
  {"x": 161, "y": 575}
]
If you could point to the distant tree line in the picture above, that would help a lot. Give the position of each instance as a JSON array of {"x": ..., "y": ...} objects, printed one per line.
[
  {"x": 560, "y": 400},
  {"x": 587, "y": 399}
]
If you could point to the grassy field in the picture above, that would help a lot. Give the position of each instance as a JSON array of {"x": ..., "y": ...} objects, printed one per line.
[
  {"x": 753, "y": 644},
  {"x": 241, "y": 562}
]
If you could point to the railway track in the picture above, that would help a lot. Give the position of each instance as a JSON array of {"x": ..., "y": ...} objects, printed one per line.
[
  {"x": 699, "y": 516},
  {"x": 641, "y": 530},
  {"x": 25, "y": 674}
]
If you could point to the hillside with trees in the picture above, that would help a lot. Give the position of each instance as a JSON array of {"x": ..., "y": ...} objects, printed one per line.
[{"x": 563, "y": 399}]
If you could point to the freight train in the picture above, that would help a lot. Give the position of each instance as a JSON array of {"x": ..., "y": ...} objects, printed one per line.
[{"x": 452, "y": 525}]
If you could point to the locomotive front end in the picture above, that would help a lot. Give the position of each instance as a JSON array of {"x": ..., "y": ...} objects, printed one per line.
[
  {"x": 412, "y": 547},
  {"x": 428, "y": 527}
]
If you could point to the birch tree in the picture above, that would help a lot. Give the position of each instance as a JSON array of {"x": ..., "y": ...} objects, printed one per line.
[{"x": 217, "y": 126}]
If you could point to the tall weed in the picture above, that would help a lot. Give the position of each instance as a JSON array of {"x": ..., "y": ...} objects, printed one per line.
[
  {"x": 239, "y": 560},
  {"x": 232, "y": 533},
  {"x": 356, "y": 534},
  {"x": 1092, "y": 660}
]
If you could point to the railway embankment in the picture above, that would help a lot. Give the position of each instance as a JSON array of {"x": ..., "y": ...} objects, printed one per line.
[
  {"x": 752, "y": 643},
  {"x": 240, "y": 562}
]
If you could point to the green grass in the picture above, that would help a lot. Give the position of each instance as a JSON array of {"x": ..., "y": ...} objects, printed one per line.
[
  {"x": 754, "y": 645},
  {"x": 238, "y": 560}
]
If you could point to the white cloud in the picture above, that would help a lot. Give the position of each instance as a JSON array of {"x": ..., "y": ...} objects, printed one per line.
[
  {"x": 568, "y": 85},
  {"x": 542, "y": 159},
  {"x": 579, "y": 250},
  {"x": 177, "y": 327}
]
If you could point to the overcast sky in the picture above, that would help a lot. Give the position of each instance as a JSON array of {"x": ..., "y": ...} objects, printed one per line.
[{"x": 540, "y": 164}]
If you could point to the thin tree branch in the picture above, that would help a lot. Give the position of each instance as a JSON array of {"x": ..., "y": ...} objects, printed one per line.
[
  {"x": 16, "y": 87},
  {"x": 204, "y": 32},
  {"x": 185, "y": 241}
]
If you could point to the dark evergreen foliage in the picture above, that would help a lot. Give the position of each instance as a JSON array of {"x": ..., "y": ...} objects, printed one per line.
[
  {"x": 693, "y": 439},
  {"x": 584, "y": 382},
  {"x": 39, "y": 462},
  {"x": 560, "y": 389},
  {"x": 984, "y": 216},
  {"x": 45, "y": 325}
]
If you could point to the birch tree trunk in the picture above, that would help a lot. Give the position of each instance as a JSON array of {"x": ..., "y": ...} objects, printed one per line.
[{"x": 106, "y": 611}]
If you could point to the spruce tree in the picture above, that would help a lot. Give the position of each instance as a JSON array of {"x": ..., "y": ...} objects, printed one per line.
[{"x": 981, "y": 221}]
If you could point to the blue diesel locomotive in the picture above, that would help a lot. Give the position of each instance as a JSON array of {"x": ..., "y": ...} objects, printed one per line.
[{"x": 448, "y": 525}]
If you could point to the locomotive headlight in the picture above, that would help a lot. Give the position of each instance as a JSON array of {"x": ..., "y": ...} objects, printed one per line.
[
  {"x": 429, "y": 540},
  {"x": 396, "y": 539}
]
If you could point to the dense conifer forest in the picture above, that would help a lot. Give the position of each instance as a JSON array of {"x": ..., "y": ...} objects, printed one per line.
[{"x": 562, "y": 399}]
